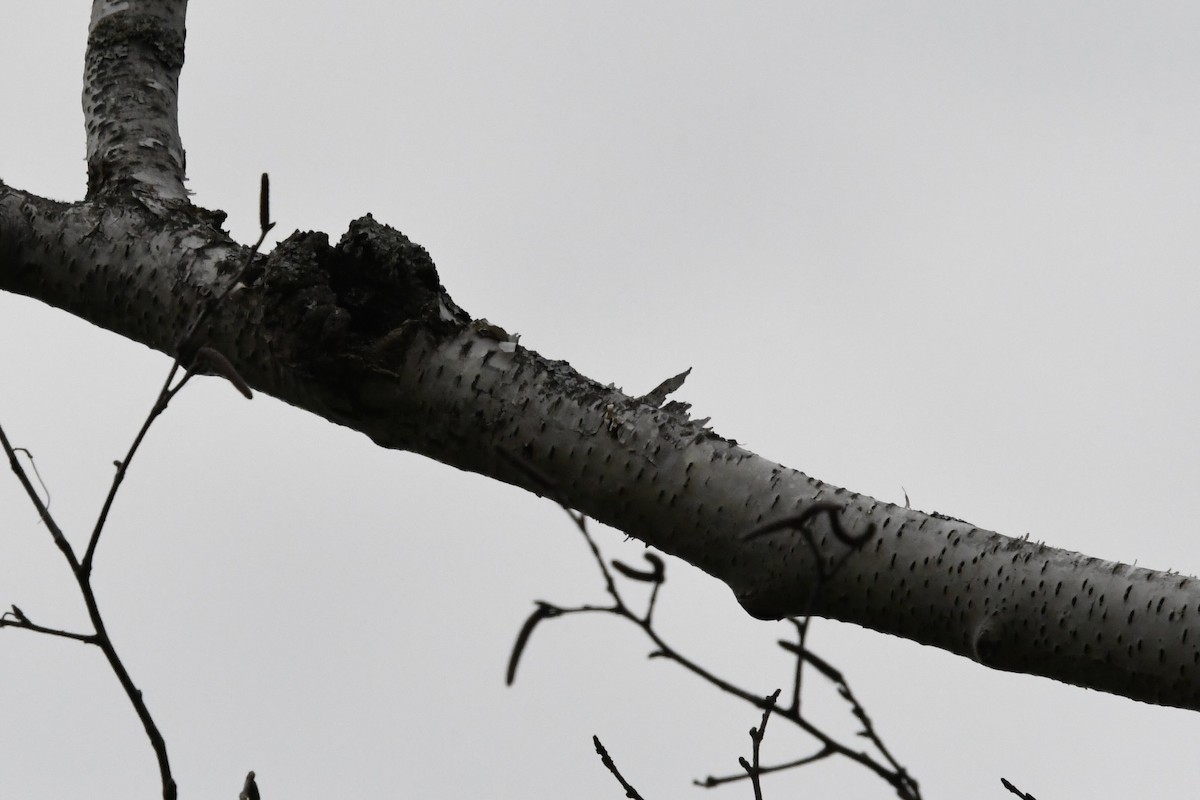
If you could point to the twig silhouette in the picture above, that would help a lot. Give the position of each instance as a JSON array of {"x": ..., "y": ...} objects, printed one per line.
[
  {"x": 754, "y": 769},
  {"x": 800, "y": 523},
  {"x": 194, "y": 356},
  {"x": 884, "y": 766},
  {"x": 36, "y": 474},
  {"x": 607, "y": 761},
  {"x": 1016, "y": 791},
  {"x": 99, "y": 637}
]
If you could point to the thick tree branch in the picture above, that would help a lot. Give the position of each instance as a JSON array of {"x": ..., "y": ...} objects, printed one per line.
[{"x": 363, "y": 334}]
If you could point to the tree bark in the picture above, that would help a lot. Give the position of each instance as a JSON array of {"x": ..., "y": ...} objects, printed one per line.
[{"x": 363, "y": 334}]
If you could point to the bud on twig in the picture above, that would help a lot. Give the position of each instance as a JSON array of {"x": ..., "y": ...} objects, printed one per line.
[
  {"x": 264, "y": 204},
  {"x": 250, "y": 788},
  {"x": 211, "y": 360}
]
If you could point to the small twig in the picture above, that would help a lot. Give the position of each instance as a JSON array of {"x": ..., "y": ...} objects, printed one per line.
[
  {"x": 869, "y": 733},
  {"x": 264, "y": 220},
  {"x": 543, "y": 611},
  {"x": 656, "y": 575},
  {"x": 1016, "y": 791},
  {"x": 165, "y": 395},
  {"x": 754, "y": 770},
  {"x": 712, "y": 781},
  {"x": 801, "y": 625},
  {"x": 100, "y": 638},
  {"x": 548, "y": 485},
  {"x": 36, "y": 474},
  {"x": 16, "y": 619},
  {"x": 250, "y": 787},
  {"x": 835, "y": 676},
  {"x": 43, "y": 510},
  {"x": 191, "y": 342},
  {"x": 800, "y": 524},
  {"x": 895, "y": 776},
  {"x": 188, "y": 350},
  {"x": 607, "y": 761}
]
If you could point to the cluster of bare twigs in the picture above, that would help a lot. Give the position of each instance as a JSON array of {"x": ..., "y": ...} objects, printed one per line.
[
  {"x": 194, "y": 357},
  {"x": 883, "y": 764}
]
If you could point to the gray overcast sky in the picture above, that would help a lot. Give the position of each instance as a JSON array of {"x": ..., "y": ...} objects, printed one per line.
[{"x": 949, "y": 247}]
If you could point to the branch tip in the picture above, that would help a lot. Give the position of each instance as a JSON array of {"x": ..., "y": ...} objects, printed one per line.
[{"x": 264, "y": 204}]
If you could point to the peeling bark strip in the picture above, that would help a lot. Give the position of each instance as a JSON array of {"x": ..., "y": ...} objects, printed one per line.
[{"x": 363, "y": 333}]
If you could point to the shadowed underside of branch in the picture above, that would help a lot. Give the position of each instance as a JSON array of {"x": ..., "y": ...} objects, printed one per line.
[{"x": 363, "y": 333}]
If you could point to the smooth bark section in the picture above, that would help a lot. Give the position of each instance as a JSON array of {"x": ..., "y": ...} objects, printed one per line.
[{"x": 363, "y": 334}]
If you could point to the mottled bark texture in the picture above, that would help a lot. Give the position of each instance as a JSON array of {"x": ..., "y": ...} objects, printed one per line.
[
  {"x": 131, "y": 94},
  {"x": 363, "y": 334}
]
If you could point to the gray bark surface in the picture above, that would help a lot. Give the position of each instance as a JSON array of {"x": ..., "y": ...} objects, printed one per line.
[{"x": 361, "y": 332}]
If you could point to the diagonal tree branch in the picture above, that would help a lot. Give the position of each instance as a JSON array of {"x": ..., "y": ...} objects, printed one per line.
[{"x": 363, "y": 334}]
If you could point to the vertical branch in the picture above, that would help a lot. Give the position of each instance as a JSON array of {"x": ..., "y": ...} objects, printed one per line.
[
  {"x": 801, "y": 625},
  {"x": 754, "y": 768},
  {"x": 130, "y": 97}
]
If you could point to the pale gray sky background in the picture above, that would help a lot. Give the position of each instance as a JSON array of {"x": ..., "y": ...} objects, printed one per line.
[{"x": 946, "y": 246}]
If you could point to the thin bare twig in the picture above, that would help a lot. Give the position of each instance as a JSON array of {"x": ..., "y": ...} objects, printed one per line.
[
  {"x": 712, "y": 781},
  {"x": 607, "y": 761},
  {"x": 82, "y": 570},
  {"x": 100, "y": 637},
  {"x": 16, "y": 619},
  {"x": 754, "y": 770},
  {"x": 249, "y": 786},
  {"x": 191, "y": 350},
  {"x": 888, "y": 770},
  {"x": 800, "y": 523},
  {"x": 1016, "y": 791},
  {"x": 43, "y": 511},
  {"x": 801, "y": 625},
  {"x": 36, "y": 474},
  {"x": 165, "y": 395}
]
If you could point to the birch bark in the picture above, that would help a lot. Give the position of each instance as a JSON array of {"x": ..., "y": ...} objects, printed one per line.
[{"x": 363, "y": 333}]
